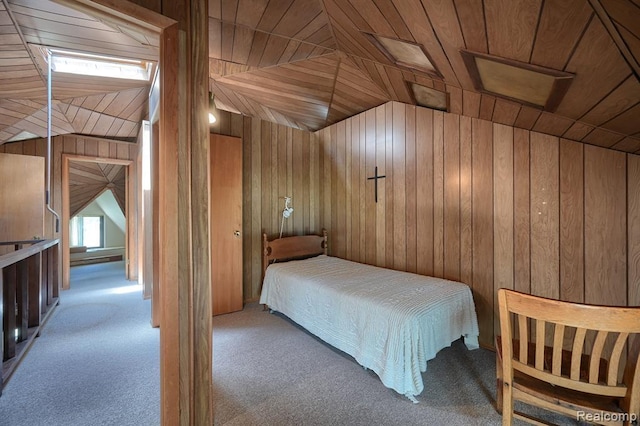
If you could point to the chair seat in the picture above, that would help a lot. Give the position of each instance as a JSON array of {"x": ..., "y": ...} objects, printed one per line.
[{"x": 562, "y": 397}]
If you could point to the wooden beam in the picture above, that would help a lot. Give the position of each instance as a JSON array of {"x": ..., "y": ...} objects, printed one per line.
[
  {"x": 616, "y": 37},
  {"x": 185, "y": 322}
]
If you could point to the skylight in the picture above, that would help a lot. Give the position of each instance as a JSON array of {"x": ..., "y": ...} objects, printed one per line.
[{"x": 99, "y": 66}]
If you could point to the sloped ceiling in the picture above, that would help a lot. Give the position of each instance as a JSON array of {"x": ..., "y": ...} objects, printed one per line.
[
  {"x": 310, "y": 63},
  {"x": 87, "y": 181}
]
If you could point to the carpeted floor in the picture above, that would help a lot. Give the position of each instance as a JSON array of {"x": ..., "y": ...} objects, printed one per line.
[
  {"x": 288, "y": 377},
  {"x": 96, "y": 361}
]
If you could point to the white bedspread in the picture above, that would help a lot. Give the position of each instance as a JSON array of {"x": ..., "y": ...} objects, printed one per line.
[{"x": 391, "y": 322}]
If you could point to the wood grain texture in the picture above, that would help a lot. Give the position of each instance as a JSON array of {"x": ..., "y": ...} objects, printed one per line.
[
  {"x": 521, "y": 211},
  {"x": 633, "y": 229},
  {"x": 451, "y": 200},
  {"x": 544, "y": 216},
  {"x": 482, "y": 223},
  {"x": 571, "y": 221},
  {"x": 605, "y": 226}
]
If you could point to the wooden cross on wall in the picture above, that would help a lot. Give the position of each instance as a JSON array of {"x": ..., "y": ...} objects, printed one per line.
[{"x": 375, "y": 179}]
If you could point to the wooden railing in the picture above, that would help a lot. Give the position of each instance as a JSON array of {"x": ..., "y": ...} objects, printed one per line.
[{"x": 29, "y": 290}]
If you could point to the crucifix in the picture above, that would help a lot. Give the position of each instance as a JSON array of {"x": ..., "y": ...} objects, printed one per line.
[{"x": 375, "y": 179}]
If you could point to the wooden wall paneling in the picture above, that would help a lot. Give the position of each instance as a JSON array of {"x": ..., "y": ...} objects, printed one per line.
[
  {"x": 466, "y": 260},
  {"x": 451, "y": 200},
  {"x": 482, "y": 223},
  {"x": 304, "y": 172},
  {"x": 333, "y": 196},
  {"x": 289, "y": 144},
  {"x": 271, "y": 207},
  {"x": 438, "y": 194},
  {"x": 633, "y": 230},
  {"x": 521, "y": 211},
  {"x": 326, "y": 183},
  {"x": 369, "y": 206},
  {"x": 399, "y": 187},
  {"x": 271, "y": 216},
  {"x": 571, "y": 221},
  {"x": 339, "y": 141},
  {"x": 386, "y": 204},
  {"x": 605, "y": 226},
  {"x": 314, "y": 182},
  {"x": 348, "y": 190},
  {"x": 247, "y": 210},
  {"x": 424, "y": 193},
  {"x": 356, "y": 187},
  {"x": 544, "y": 215},
  {"x": 411, "y": 185},
  {"x": 503, "y": 212},
  {"x": 384, "y": 214},
  {"x": 363, "y": 186},
  {"x": 255, "y": 142},
  {"x": 279, "y": 135}
]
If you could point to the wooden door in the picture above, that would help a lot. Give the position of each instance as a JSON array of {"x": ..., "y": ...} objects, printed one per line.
[{"x": 226, "y": 224}]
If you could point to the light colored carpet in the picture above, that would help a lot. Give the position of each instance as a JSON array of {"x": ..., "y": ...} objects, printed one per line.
[{"x": 96, "y": 361}]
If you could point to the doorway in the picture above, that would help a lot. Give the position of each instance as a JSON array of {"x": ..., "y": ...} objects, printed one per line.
[{"x": 85, "y": 180}]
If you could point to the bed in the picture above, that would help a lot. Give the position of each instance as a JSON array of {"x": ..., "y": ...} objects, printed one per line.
[{"x": 389, "y": 321}]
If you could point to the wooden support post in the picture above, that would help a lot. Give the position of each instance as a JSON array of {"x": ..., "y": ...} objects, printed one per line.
[
  {"x": 44, "y": 273},
  {"x": 9, "y": 314},
  {"x": 184, "y": 277},
  {"x": 22, "y": 298},
  {"x": 34, "y": 289}
]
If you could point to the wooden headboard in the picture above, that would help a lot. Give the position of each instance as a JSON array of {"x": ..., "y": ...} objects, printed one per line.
[{"x": 292, "y": 248}]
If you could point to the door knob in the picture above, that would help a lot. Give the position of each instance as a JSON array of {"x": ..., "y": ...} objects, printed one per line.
[{"x": 236, "y": 233}]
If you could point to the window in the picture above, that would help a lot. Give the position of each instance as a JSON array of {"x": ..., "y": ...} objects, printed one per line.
[
  {"x": 101, "y": 66},
  {"x": 87, "y": 231}
]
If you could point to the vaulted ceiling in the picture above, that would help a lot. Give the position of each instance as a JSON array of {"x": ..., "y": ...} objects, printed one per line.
[
  {"x": 310, "y": 63},
  {"x": 87, "y": 181}
]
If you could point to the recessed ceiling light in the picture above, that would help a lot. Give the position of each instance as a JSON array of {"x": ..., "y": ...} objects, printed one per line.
[
  {"x": 405, "y": 54},
  {"x": 522, "y": 82},
  {"x": 428, "y": 97}
]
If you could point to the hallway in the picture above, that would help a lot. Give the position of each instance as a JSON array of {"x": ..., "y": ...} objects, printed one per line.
[{"x": 96, "y": 361}]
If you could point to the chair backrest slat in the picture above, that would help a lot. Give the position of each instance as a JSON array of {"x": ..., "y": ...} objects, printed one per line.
[
  {"x": 614, "y": 361},
  {"x": 558, "y": 341},
  {"x": 540, "y": 339},
  {"x": 576, "y": 353},
  {"x": 596, "y": 355},
  {"x": 523, "y": 330}
]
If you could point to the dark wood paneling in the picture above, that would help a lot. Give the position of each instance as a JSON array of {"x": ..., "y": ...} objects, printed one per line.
[
  {"x": 605, "y": 226},
  {"x": 496, "y": 206}
]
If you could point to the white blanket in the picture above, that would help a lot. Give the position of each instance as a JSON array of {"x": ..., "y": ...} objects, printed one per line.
[{"x": 391, "y": 322}]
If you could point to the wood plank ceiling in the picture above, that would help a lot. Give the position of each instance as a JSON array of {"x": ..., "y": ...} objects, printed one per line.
[
  {"x": 310, "y": 63},
  {"x": 87, "y": 181}
]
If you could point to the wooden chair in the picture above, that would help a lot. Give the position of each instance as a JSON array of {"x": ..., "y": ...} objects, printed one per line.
[{"x": 581, "y": 360}]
